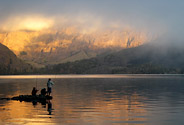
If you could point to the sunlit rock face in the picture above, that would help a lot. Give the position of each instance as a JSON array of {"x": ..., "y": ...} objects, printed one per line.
[{"x": 68, "y": 44}]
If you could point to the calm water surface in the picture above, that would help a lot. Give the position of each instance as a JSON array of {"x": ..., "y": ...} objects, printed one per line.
[{"x": 96, "y": 100}]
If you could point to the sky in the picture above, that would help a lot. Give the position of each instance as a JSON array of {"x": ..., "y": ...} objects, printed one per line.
[{"x": 163, "y": 17}]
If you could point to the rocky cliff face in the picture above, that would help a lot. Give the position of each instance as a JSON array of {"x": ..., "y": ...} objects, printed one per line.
[
  {"x": 10, "y": 64},
  {"x": 56, "y": 46}
]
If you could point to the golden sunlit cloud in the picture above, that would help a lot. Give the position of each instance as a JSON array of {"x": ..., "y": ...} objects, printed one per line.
[
  {"x": 33, "y": 23},
  {"x": 84, "y": 23}
]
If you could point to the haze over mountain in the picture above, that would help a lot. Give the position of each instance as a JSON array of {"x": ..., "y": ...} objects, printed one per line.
[
  {"x": 145, "y": 59},
  {"x": 59, "y": 31}
]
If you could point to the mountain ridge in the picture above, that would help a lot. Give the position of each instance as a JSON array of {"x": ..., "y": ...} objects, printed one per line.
[
  {"x": 145, "y": 59},
  {"x": 10, "y": 64}
]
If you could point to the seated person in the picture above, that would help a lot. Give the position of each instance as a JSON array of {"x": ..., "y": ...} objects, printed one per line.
[
  {"x": 34, "y": 91},
  {"x": 43, "y": 91}
]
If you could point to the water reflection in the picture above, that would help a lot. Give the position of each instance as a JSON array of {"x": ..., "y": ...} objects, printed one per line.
[
  {"x": 45, "y": 104},
  {"x": 49, "y": 107},
  {"x": 97, "y": 101}
]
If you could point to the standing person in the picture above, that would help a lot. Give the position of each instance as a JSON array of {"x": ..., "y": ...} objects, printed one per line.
[{"x": 49, "y": 86}]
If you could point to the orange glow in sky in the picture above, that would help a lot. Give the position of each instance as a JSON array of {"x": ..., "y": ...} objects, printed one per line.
[{"x": 33, "y": 23}]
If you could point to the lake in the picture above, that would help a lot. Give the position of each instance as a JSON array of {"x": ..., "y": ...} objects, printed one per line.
[{"x": 96, "y": 100}]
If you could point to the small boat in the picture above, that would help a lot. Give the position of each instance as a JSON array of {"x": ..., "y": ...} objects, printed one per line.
[
  {"x": 29, "y": 98},
  {"x": 32, "y": 98}
]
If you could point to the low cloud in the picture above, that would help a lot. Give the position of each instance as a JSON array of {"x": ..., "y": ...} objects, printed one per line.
[{"x": 30, "y": 23}]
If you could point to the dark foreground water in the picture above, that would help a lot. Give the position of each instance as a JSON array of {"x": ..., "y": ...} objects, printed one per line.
[{"x": 96, "y": 100}]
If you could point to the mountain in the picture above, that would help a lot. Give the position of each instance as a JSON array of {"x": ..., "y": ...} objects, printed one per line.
[
  {"x": 10, "y": 64},
  {"x": 145, "y": 59},
  {"x": 41, "y": 48}
]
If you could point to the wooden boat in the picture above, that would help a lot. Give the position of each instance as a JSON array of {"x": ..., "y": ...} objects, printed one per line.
[{"x": 30, "y": 98}]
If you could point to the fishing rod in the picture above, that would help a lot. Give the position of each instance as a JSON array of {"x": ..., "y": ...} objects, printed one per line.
[
  {"x": 55, "y": 77},
  {"x": 36, "y": 81}
]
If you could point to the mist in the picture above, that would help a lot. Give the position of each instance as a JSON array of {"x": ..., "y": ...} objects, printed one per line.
[{"x": 155, "y": 17}]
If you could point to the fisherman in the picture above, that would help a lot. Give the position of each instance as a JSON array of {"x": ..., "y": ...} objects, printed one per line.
[
  {"x": 34, "y": 91},
  {"x": 43, "y": 92},
  {"x": 49, "y": 86}
]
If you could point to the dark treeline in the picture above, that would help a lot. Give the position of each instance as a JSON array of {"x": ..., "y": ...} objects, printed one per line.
[{"x": 88, "y": 67}]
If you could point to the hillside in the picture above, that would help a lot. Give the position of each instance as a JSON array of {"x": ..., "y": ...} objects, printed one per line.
[
  {"x": 146, "y": 59},
  {"x": 10, "y": 64}
]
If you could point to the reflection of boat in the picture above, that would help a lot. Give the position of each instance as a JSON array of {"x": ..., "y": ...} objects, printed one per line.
[{"x": 30, "y": 98}]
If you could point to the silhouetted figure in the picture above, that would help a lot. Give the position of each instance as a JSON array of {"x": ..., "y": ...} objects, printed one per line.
[
  {"x": 49, "y": 86},
  {"x": 34, "y": 91},
  {"x": 43, "y": 92}
]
